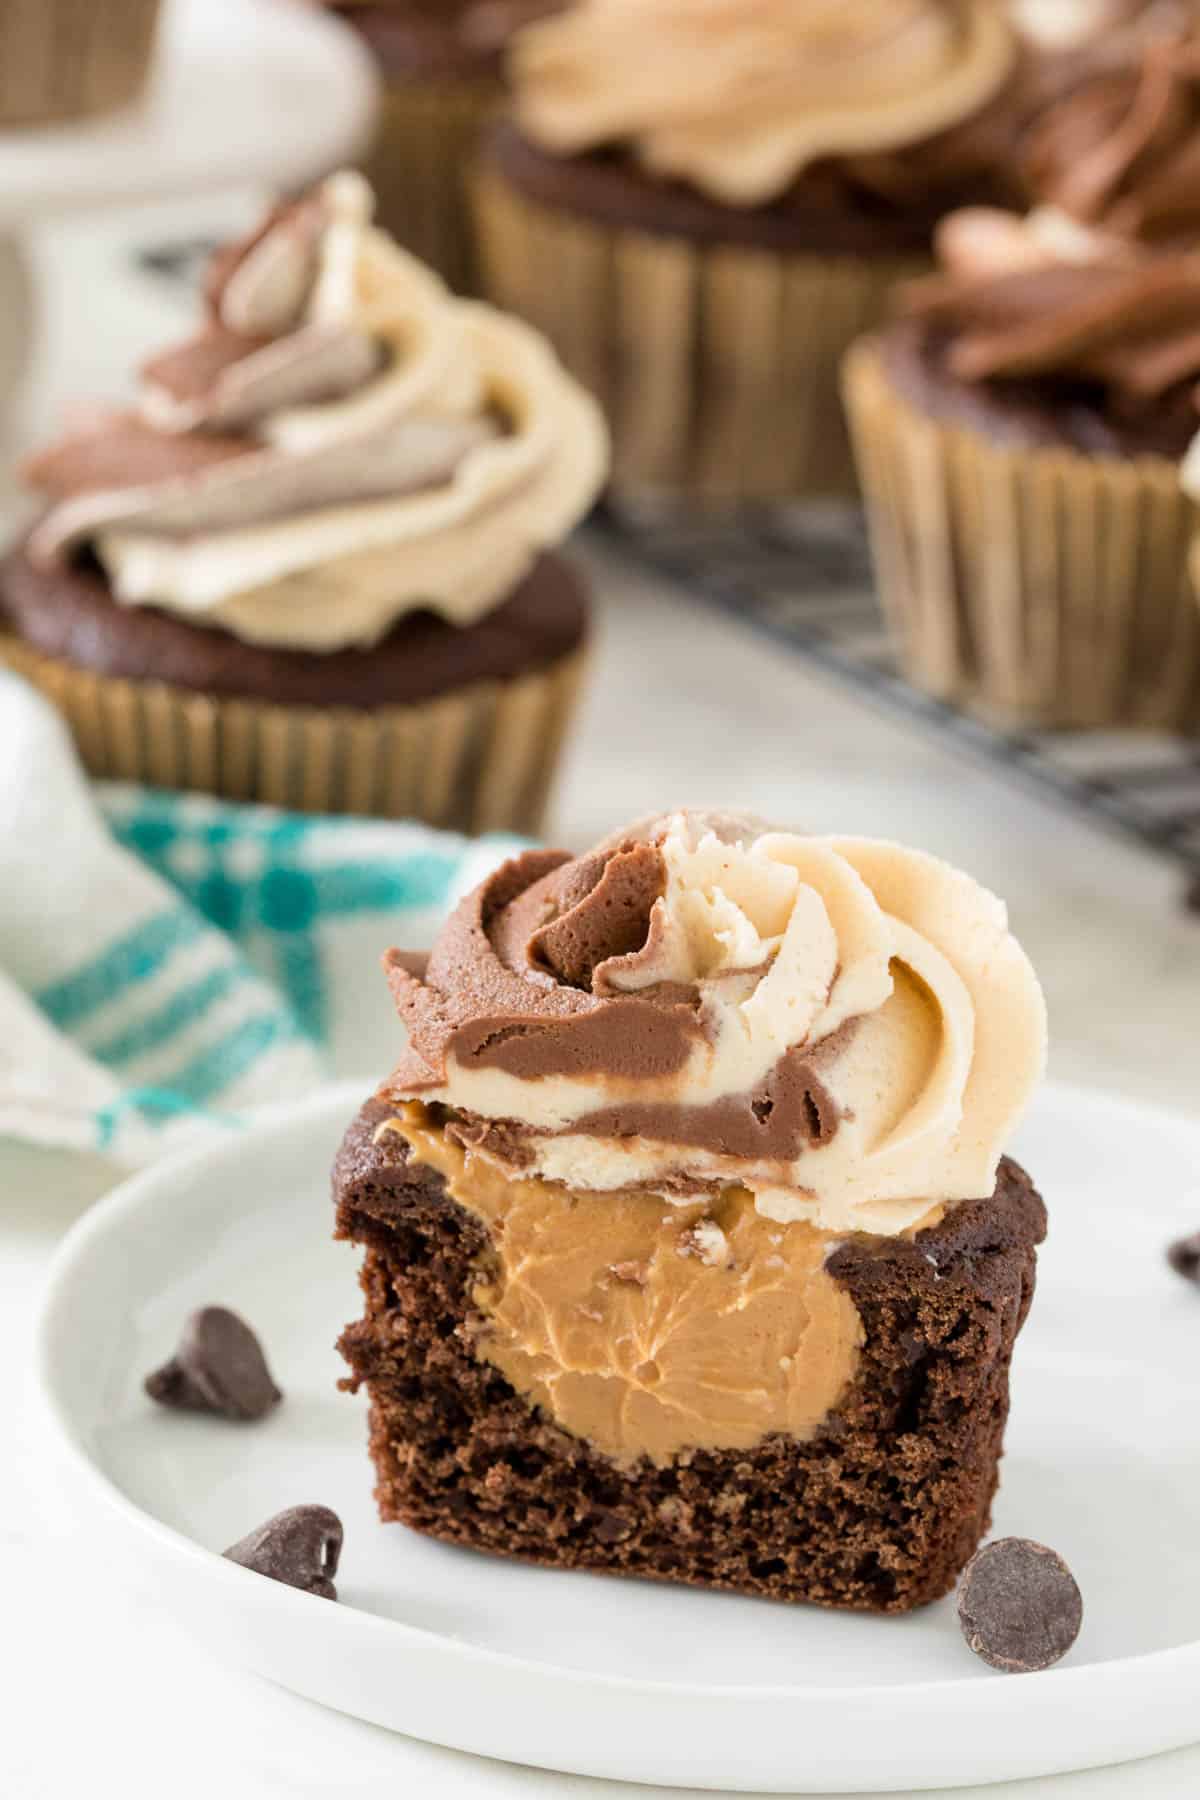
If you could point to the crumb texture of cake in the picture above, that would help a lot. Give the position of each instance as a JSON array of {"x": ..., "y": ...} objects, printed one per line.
[
  {"x": 879, "y": 1511},
  {"x": 691, "y": 1248}
]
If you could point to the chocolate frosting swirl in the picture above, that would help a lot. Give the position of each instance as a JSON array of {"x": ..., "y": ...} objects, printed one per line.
[
  {"x": 1041, "y": 298},
  {"x": 1121, "y": 149},
  {"x": 518, "y": 979},
  {"x": 844, "y": 1027}
]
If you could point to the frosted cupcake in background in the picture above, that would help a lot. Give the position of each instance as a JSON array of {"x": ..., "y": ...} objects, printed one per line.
[
  {"x": 1020, "y": 441},
  {"x": 1021, "y": 433},
  {"x": 61, "y": 61},
  {"x": 702, "y": 206},
  {"x": 314, "y": 565},
  {"x": 440, "y": 62}
]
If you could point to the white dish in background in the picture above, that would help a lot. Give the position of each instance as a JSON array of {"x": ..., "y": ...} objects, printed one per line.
[
  {"x": 626, "y": 1679},
  {"x": 241, "y": 91}
]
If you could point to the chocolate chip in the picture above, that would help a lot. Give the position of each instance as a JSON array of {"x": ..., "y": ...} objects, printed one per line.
[
  {"x": 609, "y": 1525},
  {"x": 1019, "y": 1606},
  {"x": 219, "y": 1367},
  {"x": 299, "y": 1547},
  {"x": 1184, "y": 1257}
]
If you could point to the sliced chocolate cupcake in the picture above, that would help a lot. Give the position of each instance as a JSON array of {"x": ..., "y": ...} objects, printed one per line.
[
  {"x": 315, "y": 565},
  {"x": 690, "y": 1249}
]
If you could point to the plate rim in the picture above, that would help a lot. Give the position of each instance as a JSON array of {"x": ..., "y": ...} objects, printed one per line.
[{"x": 139, "y": 1190}]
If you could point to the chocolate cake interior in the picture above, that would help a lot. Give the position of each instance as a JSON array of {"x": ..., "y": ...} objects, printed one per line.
[{"x": 877, "y": 1509}]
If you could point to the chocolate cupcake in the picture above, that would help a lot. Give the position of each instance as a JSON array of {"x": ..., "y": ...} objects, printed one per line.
[
  {"x": 1020, "y": 433},
  {"x": 691, "y": 1251},
  {"x": 440, "y": 61},
  {"x": 62, "y": 60},
  {"x": 702, "y": 206},
  {"x": 315, "y": 566}
]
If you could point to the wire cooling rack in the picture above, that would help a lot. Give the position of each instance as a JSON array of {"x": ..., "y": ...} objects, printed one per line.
[{"x": 806, "y": 584}]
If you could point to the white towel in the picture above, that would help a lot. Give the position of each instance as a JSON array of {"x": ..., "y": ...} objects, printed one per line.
[{"x": 171, "y": 964}]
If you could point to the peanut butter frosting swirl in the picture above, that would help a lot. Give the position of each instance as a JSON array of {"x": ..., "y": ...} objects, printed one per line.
[
  {"x": 738, "y": 97},
  {"x": 1044, "y": 298},
  {"x": 1120, "y": 150},
  {"x": 343, "y": 443},
  {"x": 844, "y": 1027}
]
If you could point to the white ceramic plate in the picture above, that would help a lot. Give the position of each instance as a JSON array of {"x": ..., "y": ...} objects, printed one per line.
[{"x": 627, "y": 1679}]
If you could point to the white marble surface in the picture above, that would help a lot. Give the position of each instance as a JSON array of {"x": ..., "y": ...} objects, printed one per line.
[{"x": 686, "y": 707}]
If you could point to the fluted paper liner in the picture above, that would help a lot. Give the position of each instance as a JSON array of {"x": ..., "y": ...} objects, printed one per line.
[
  {"x": 1037, "y": 586},
  {"x": 425, "y": 140},
  {"x": 717, "y": 365},
  {"x": 479, "y": 758},
  {"x": 68, "y": 59}
]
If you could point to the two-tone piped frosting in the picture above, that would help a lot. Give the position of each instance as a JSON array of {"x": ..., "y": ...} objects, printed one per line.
[
  {"x": 739, "y": 97},
  {"x": 843, "y": 1027},
  {"x": 343, "y": 443}
]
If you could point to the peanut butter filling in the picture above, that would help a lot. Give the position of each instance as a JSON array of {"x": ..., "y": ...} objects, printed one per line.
[{"x": 647, "y": 1328}]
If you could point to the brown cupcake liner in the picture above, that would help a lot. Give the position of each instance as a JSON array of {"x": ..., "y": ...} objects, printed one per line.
[
  {"x": 68, "y": 59},
  {"x": 717, "y": 365},
  {"x": 1036, "y": 586},
  {"x": 479, "y": 759},
  {"x": 425, "y": 140}
]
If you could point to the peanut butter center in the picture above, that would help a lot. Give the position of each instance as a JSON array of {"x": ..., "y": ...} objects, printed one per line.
[{"x": 648, "y": 1328}]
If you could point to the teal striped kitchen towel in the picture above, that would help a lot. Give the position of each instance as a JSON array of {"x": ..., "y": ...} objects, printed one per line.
[{"x": 172, "y": 965}]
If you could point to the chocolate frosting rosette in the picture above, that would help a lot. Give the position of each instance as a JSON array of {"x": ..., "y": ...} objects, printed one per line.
[
  {"x": 726, "y": 192},
  {"x": 1120, "y": 150},
  {"x": 313, "y": 564}
]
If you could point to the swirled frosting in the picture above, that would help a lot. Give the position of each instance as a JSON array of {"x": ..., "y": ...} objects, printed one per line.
[
  {"x": 1120, "y": 150},
  {"x": 342, "y": 444},
  {"x": 738, "y": 97},
  {"x": 1045, "y": 298},
  {"x": 843, "y": 1027}
]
